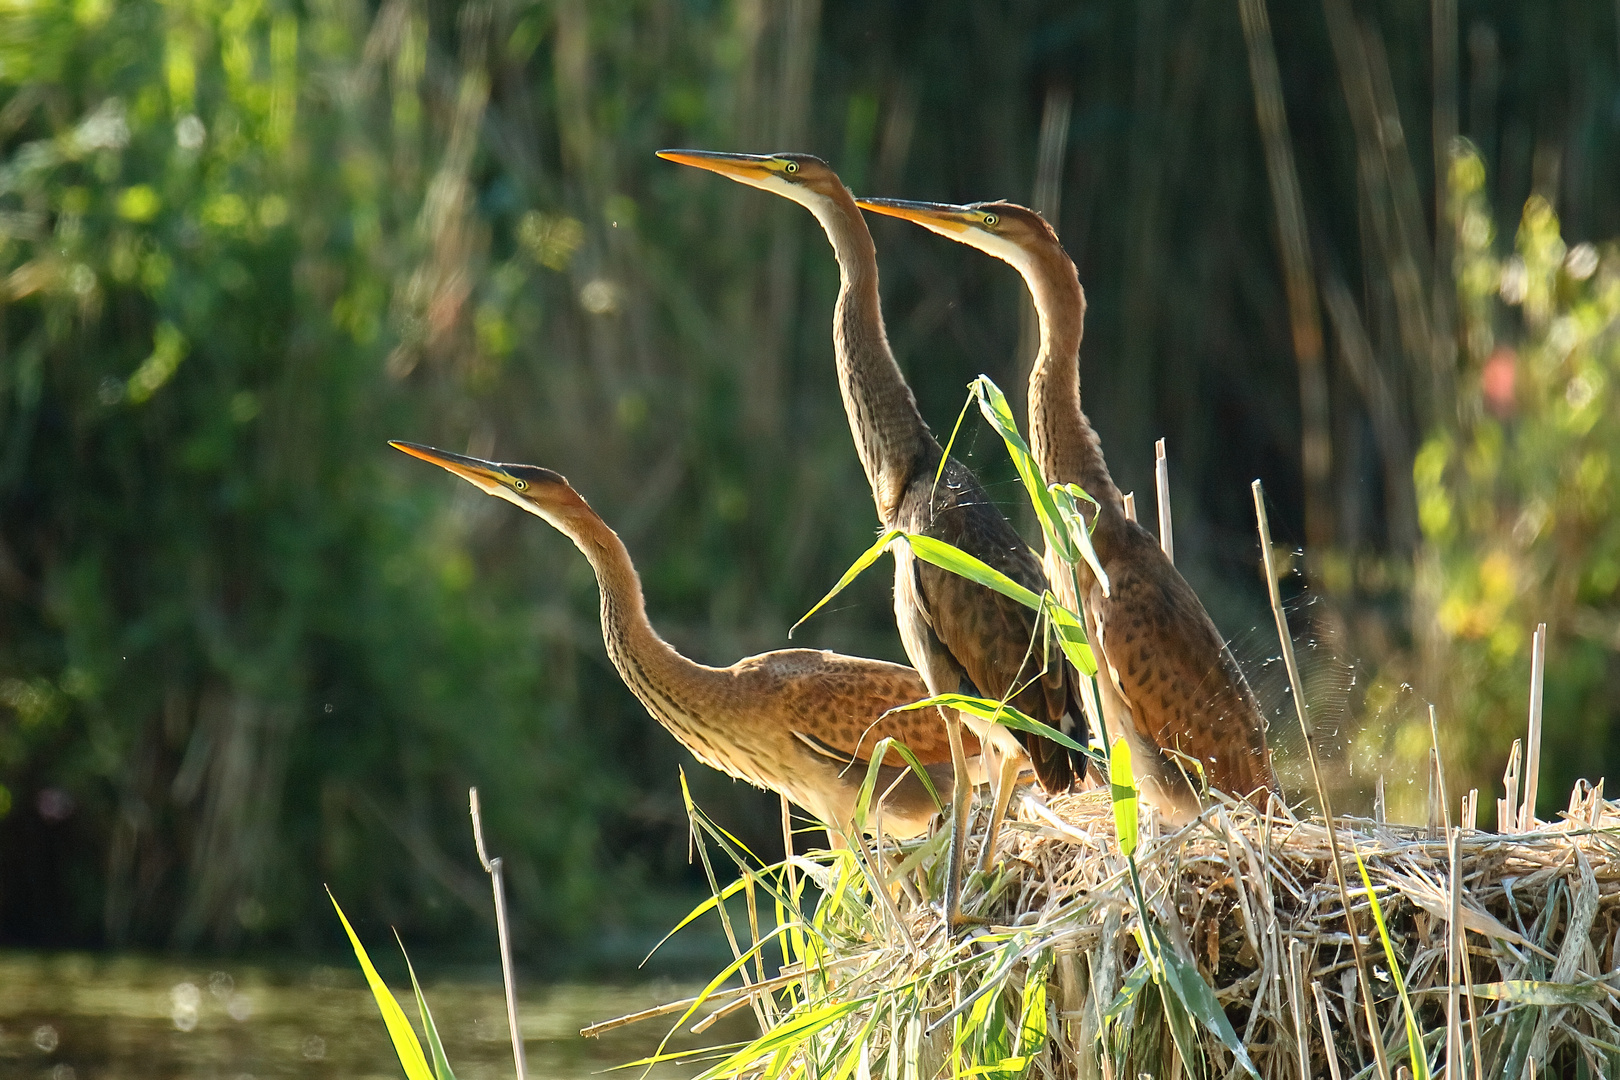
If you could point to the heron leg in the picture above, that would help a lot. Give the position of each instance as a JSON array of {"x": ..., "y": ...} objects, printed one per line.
[
  {"x": 961, "y": 800},
  {"x": 1006, "y": 780}
]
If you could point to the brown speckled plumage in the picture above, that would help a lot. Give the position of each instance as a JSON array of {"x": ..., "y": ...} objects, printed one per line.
[{"x": 1169, "y": 683}]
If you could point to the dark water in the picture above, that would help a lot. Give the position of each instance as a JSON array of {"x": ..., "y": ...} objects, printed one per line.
[{"x": 78, "y": 1017}]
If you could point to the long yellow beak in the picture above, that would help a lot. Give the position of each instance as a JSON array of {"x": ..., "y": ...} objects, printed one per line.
[
  {"x": 941, "y": 216},
  {"x": 476, "y": 471},
  {"x": 743, "y": 167}
]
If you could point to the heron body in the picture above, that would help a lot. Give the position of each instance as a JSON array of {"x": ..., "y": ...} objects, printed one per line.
[
  {"x": 1169, "y": 684},
  {"x": 961, "y": 636},
  {"x": 802, "y": 722}
]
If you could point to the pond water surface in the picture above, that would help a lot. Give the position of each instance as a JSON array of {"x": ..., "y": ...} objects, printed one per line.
[{"x": 78, "y": 1017}]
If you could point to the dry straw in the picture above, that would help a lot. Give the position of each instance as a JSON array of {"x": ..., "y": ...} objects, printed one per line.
[
  {"x": 1253, "y": 903},
  {"x": 1500, "y": 951}
]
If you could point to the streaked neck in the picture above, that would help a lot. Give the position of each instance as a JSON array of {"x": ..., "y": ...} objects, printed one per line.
[
  {"x": 889, "y": 431},
  {"x": 1061, "y": 438},
  {"x": 672, "y": 687}
]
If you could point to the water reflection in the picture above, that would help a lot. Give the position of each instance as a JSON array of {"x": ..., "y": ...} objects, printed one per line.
[{"x": 78, "y": 1017}]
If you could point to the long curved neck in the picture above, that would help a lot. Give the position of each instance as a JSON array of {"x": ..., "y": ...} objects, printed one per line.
[
  {"x": 889, "y": 431},
  {"x": 672, "y": 687},
  {"x": 1061, "y": 438}
]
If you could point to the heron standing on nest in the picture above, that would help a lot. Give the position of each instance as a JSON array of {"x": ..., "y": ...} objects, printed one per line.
[
  {"x": 961, "y": 636},
  {"x": 801, "y": 722},
  {"x": 1168, "y": 682}
]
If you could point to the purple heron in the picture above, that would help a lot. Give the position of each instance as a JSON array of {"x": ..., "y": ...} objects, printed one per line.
[
  {"x": 801, "y": 722},
  {"x": 1168, "y": 682},
  {"x": 961, "y": 636}
]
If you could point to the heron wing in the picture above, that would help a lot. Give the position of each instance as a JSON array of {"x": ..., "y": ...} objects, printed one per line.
[{"x": 1174, "y": 673}]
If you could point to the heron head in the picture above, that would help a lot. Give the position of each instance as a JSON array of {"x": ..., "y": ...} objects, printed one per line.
[
  {"x": 801, "y": 177},
  {"x": 540, "y": 491},
  {"x": 1012, "y": 233}
]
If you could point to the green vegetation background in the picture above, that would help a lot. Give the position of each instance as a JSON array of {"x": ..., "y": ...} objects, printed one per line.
[{"x": 245, "y": 648}]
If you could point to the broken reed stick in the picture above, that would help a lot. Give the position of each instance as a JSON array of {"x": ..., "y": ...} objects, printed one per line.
[
  {"x": 1532, "y": 761},
  {"x": 1440, "y": 771},
  {"x": 1433, "y": 817},
  {"x": 1296, "y": 1004},
  {"x": 1130, "y": 506},
  {"x": 591, "y": 1031},
  {"x": 1296, "y": 686},
  {"x": 1454, "y": 950},
  {"x": 1327, "y": 1030},
  {"x": 1161, "y": 480},
  {"x": 498, "y": 884},
  {"x": 1457, "y": 942},
  {"x": 788, "y": 874},
  {"x": 1507, "y": 808},
  {"x": 719, "y": 1014}
]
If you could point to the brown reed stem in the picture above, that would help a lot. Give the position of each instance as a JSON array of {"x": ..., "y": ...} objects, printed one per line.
[
  {"x": 1327, "y": 1030},
  {"x": 498, "y": 884},
  {"x": 1532, "y": 761},
  {"x": 1296, "y": 685}
]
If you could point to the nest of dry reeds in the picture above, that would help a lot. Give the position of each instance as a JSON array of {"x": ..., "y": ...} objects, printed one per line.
[
  {"x": 1253, "y": 903},
  {"x": 1514, "y": 972}
]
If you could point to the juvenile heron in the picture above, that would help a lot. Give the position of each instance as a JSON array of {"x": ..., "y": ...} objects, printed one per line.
[
  {"x": 960, "y": 635},
  {"x": 801, "y": 722},
  {"x": 1169, "y": 684}
]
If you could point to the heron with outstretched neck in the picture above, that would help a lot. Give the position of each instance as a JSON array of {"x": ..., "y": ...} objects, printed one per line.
[
  {"x": 961, "y": 636},
  {"x": 1167, "y": 681},
  {"x": 801, "y": 722}
]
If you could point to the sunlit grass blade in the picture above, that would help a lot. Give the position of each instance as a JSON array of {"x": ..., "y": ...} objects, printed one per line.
[
  {"x": 677, "y": 1056},
  {"x": 995, "y": 712},
  {"x": 856, "y": 569},
  {"x": 1032, "y": 1018},
  {"x": 940, "y": 554},
  {"x": 441, "y": 1064},
  {"x": 399, "y": 1028},
  {"x": 1068, "y": 498},
  {"x": 857, "y": 1047},
  {"x": 714, "y": 984},
  {"x": 960, "y": 563},
  {"x": 993, "y": 404},
  {"x": 706, "y": 906},
  {"x": 863, "y": 799},
  {"x": 1414, "y": 1041},
  {"x": 793, "y": 1032},
  {"x": 1140, "y": 976},
  {"x": 951, "y": 443},
  {"x": 1122, "y": 788},
  {"x": 1176, "y": 1016},
  {"x": 1071, "y": 636},
  {"x": 1200, "y": 1002}
]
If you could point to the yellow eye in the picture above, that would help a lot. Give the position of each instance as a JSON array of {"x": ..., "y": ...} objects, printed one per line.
[
  {"x": 991, "y": 219},
  {"x": 792, "y": 167},
  {"x": 521, "y": 485}
]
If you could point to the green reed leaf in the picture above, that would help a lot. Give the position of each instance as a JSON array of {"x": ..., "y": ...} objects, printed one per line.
[{"x": 399, "y": 1028}]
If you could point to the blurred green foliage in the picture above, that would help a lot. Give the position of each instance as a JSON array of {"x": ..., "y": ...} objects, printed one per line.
[
  {"x": 1517, "y": 501},
  {"x": 245, "y": 648}
]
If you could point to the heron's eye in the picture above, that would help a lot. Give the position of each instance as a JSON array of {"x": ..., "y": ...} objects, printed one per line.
[
  {"x": 521, "y": 485},
  {"x": 792, "y": 167},
  {"x": 991, "y": 219}
]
